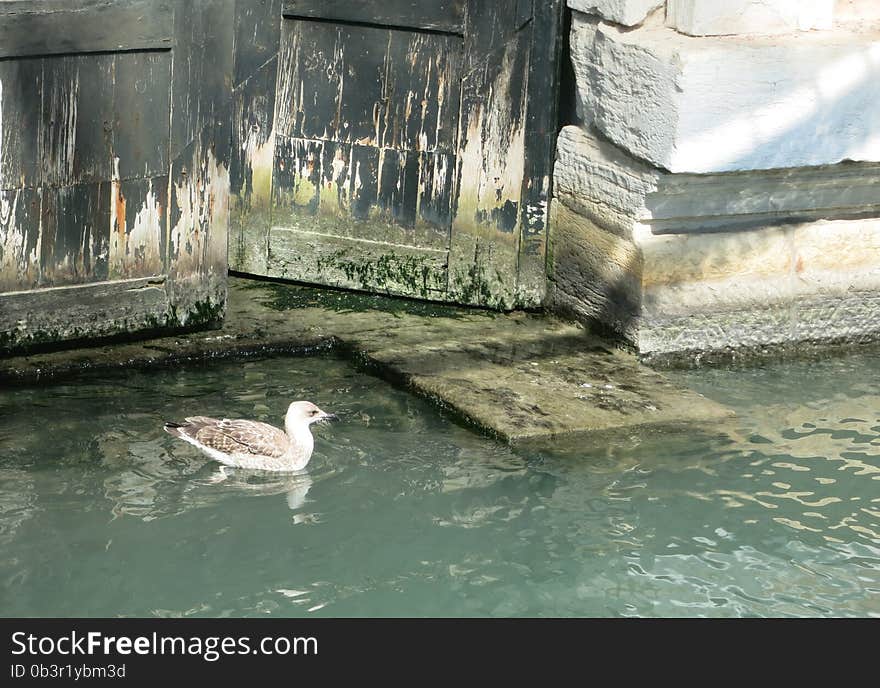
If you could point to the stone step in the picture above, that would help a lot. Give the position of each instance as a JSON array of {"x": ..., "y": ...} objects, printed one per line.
[{"x": 517, "y": 376}]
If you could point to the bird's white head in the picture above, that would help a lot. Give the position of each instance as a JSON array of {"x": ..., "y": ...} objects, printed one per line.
[{"x": 301, "y": 414}]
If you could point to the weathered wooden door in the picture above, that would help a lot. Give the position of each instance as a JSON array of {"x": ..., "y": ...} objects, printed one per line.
[
  {"x": 113, "y": 166},
  {"x": 407, "y": 150}
]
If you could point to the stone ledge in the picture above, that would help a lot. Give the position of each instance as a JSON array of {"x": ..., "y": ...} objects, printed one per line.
[{"x": 620, "y": 193}]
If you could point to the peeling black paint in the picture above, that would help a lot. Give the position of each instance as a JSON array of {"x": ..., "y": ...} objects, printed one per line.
[
  {"x": 21, "y": 103},
  {"x": 75, "y": 241},
  {"x": 141, "y": 107}
]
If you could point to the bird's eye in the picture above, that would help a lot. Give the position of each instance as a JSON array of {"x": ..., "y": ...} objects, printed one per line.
[{"x": 313, "y": 413}]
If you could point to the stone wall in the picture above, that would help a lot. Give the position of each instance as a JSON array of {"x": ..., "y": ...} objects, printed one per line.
[{"x": 723, "y": 190}]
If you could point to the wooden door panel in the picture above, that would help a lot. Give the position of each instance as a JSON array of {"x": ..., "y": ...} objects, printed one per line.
[
  {"x": 366, "y": 126},
  {"x": 425, "y": 125},
  {"x": 90, "y": 174},
  {"x": 85, "y": 141}
]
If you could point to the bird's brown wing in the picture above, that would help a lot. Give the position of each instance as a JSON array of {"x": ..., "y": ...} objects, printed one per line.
[{"x": 238, "y": 436}]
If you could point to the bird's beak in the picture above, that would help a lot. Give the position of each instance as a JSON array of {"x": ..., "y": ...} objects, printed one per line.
[{"x": 328, "y": 417}]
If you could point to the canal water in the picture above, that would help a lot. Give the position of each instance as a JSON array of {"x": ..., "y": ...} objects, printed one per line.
[{"x": 404, "y": 512}]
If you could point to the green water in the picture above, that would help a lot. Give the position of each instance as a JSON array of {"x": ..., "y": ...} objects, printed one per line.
[{"x": 405, "y": 513}]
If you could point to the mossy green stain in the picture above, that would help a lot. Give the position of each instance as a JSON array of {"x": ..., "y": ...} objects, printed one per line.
[
  {"x": 293, "y": 296},
  {"x": 415, "y": 275},
  {"x": 202, "y": 313}
]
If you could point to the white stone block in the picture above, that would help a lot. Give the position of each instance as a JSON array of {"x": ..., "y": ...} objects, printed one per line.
[
  {"x": 713, "y": 18},
  {"x": 856, "y": 11},
  {"x": 626, "y": 12},
  {"x": 730, "y": 103}
]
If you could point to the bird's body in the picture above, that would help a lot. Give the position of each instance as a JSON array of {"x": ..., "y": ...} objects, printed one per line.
[{"x": 252, "y": 444}]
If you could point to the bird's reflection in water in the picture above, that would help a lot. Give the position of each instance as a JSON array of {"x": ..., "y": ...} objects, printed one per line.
[
  {"x": 149, "y": 482},
  {"x": 295, "y": 485}
]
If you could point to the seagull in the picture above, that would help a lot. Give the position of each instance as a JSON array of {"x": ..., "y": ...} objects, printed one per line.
[{"x": 251, "y": 444}]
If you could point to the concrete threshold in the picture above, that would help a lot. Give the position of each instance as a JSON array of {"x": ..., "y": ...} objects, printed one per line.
[{"x": 518, "y": 376}]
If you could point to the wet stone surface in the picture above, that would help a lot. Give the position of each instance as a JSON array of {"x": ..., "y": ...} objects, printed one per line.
[{"x": 519, "y": 376}]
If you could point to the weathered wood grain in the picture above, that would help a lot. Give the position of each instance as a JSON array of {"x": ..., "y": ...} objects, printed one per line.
[
  {"x": 257, "y": 28},
  {"x": 19, "y": 239},
  {"x": 257, "y": 36},
  {"x": 198, "y": 216},
  {"x": 75, "y": 236},
  {"x": 53, "y": 27},
  {"x": 137, "y": 227},
  {"x": 485, "y": 231},
  {"x": 433, "y": 15},
  {"x": 188, "y": 69},
  {"x": 21, "y": 94},
  {"x": 389, "y": 88},
  {"x": 141, "y": 114},
  {"x": 399, "y": 197},
  {"x": 77, "y": 119},
  {"x": 541, "y": 129}
]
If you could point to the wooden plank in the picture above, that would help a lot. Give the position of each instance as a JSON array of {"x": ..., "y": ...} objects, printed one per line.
[
  {"x": 75, "y": 234},
  {"x": 198, "y": 216},
  {"x": 542, "y": 123},
  {"x": 398, "y": 186},
  {"x": 432, "y": 15},
  {"x": 357, "y": 263},
  {"x": 188, "y": 68},
  {"x": 142, "y": 114},
  {"x": 82, "y": 311},
  {"x": 310, "y": 80},
  {"x": 19, "y": 238},
  {"x": 364, "y": 177},
  {"x": 484, "y": 253},
  {"x": 77, "y": 119},
  {"x": 137, "y": 227},
  {"x": 421, "y": 89},
  {"x": 297, "y": 175},
  {"x": 257, "y": 37},
  {"x": 250, "y": 169},
  {"x": 52, "y": 27},
  {"x": 215, "y": 89},
  {"x": 21, "y": 89},
  {"x": 436, "y": 192}
]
